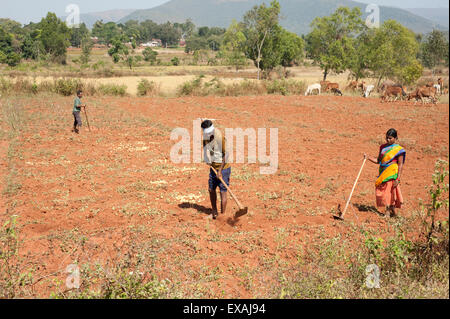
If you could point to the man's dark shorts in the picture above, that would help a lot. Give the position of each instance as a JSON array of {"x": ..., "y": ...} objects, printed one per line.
[
  {"x": 214, "y": 181},
  {"x": 77, "y": 119}
]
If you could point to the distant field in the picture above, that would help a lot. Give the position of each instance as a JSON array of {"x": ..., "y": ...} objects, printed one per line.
[{"x": 101, "y": 70}]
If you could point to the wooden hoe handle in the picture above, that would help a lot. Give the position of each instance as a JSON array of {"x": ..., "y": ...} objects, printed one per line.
[
  {"x": 226, "y": 186},
  {"x": 354, "y": 185}
]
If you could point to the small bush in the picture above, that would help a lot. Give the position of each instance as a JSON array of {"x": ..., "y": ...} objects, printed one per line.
[
  {"x": 149, "y": 55},
  {"x": 112, "y": 89},
  {"x": 98, "y": 65},
  {"x": 67, "y": 87},
  {"x": 277, "y": 87},
  {"x": 13, "y": 282},
  {"x": 18, "y": 86},
  {"x": 245, "y": 87},
  {"x": 175, "y": 61},
  {"x": 105, "y": 72},
  {"x": 146, "y": 87},
  {"x": 285, "y": 87},
  {"x": 45, "y": 86},
  {"x": 192, "y": 87},
  {"x": 13, "y": 59}
]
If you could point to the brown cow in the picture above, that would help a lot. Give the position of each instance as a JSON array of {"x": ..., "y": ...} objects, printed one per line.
[
  {"x": 393, "y": 91},
  {"x": 324, "y": 84},
  {"x": 423, "y": 92},
  {"x": 332, "y": 86},
  {"x": 353, "y": 85},
  {"x": 385, "y": 84}
]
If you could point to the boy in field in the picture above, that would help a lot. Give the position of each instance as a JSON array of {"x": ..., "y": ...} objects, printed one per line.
[
  {"x": 76, "y": 112},
  {"x": 214, "y": 146}
]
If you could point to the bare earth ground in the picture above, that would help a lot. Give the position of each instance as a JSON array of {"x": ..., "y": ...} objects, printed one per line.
[{"x": 87, "y": 198}]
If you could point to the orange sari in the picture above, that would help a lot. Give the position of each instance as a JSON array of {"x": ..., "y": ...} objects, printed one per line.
[{"x": 387, "y": 195}]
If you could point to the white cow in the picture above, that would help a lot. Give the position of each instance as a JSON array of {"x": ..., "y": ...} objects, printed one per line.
[
  {"x": 368, "y": 90},
  {"x": 313, "y": 87},
  {"x": 438, "y": 88}
]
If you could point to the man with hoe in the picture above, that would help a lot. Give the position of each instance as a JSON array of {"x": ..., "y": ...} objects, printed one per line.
[
  {"x": 214, "y": 146},
  {"x": 76, "y": 112}
]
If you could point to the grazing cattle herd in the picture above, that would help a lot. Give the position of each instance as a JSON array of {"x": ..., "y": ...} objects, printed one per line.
[{"x": 388, "y": 90}]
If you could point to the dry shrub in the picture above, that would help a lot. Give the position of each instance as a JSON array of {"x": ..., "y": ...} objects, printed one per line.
[
  {"x": 198, "y": 87},
  {"x": 63, "y": 86},
  {"x": 67, "y": 87},
  {"x": 9, "y": 86},
  {"x": 245, "y": 87},
  {"x": 112, "y": 89},
  {"x": 285, "y": 87},
  {"x": 146, "y": 87}
]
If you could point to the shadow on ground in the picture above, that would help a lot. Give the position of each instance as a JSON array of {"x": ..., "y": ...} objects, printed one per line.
[
  {"x": 367, "y": 208},
  {"x": 199, "y": 208}
]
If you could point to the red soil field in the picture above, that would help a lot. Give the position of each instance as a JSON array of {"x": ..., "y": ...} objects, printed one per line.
[{"x": 88, "y": 198}]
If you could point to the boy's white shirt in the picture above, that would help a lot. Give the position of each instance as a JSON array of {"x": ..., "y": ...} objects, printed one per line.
[{"x": 212, "y": 152}]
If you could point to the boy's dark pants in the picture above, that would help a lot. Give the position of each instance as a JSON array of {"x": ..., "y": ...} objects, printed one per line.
[
  {"x": 77, "y": 119},
  {"x": 214, "y": 182}
]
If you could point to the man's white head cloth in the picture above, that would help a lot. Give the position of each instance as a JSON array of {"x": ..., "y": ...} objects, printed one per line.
[{"x": 208, "y": 132}]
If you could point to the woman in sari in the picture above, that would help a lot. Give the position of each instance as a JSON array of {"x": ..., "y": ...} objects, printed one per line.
[{"x": 391, "y": 159}]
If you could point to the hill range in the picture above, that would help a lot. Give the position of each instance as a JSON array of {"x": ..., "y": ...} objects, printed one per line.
[{"x": 296, "y": 15}]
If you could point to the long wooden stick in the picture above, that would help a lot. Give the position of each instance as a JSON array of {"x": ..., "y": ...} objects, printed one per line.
[
  {"x": 353, "y": 189},
  {"x": 229, "y": 190},
  {"x": 87, "y": 120}
]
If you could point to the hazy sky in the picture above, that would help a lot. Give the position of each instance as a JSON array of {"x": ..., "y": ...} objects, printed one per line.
[
  {"x": 25, "y": 11},
  {"x": 409, "y": 3}
]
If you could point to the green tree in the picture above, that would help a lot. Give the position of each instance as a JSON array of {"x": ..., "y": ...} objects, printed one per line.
[
  {"x": 233, "y": 45},
  {"x": 168, "y": 34},
  {"x": 107, "y": 32},
  {"x": 130, "y": 61},
  {"x": 78, "y": 34},
  {"x": 118, "y": 51},
  {"x": 272, "y": 50},
  {"x": 214, "y": 42},
  {"x": 86, "y": 48},
  {"x": 32, "y": 47},
  {"x": 259, "y": 24},
  {"x": 331, "y": 41},
  {"x": 292, "y": 48},
  {"x": 187, "y": 29},
  {"x": 55, "y": 37},
  {"x": 434, "y": 49},
  {"x": 132, "y": 31},
  {"x": 7, "y": 54},
  {"x": 150, "y": 55},
  {"x": 12, "y": 27},
  {"x": 196, "y": 43},
  {"x": 13, "y": 59},
  {"x": 147, "y": 30},
  {"x": 393, "y": 53},
  {"x": 175, "y": 61},
  {"x": 5, "y": 41},
  {"x": 203, "y": 32},
  {"x": 359, "y": 64}
]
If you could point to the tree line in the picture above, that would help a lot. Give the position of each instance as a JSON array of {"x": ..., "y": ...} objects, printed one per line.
[{"x": 337, "y": 43}]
